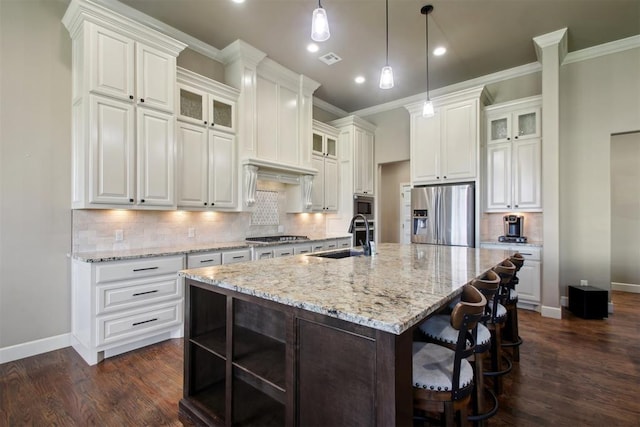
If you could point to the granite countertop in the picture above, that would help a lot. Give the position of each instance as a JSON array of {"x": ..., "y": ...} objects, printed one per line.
[
  {"x": 532, "y": 243},
  {"x": 124, "y": 254},
  {"x": 390, "y": 291}
]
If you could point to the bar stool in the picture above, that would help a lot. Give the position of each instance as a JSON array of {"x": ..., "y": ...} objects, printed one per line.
[
  {"x": 443, "y": 377},
  {"x": 500, "y": 365},
  {"x": 510, "y": 333},
  {"x": 438, "y": 329}
]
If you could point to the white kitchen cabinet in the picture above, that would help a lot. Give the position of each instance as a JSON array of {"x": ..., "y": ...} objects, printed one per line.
[
  {"x": 236, "y": 255},
  {"x": 118, "y": 306},
  {"x": 363, "y": 177},
  {"x": 206, "y": 259},
  {"x": 529, "y": 276},
  {"x": 324, "y": 158},
  {"x": 513, "y": 158},
  {"x": 123, "y": 140},
  {"x": 444, "y": 148},
  {"x": 207, "y": 169}
]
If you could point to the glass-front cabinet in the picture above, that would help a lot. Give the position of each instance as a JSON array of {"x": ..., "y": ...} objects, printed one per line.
[
  {"x": 517, "y": 125},
  {"x": 199, "y": 107}
]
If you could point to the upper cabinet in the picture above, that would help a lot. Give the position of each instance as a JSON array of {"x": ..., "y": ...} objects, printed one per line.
[
  {"x": 324, "y": 157},
  {"x": 356, "y": 148},
  {"x": 444, "y": 148},
  {"x": 513, "y": 157},
  {"x": 206, "y": 155},
  {"x": 123, "y": 141}
]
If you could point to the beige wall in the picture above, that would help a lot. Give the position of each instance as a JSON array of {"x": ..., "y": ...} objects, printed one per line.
[
  {"x": 192, "y": 60},
  {"x": 392, "y": 135},
  {"x": 516, "y": 88},
  {"x": 391, "y": 176},
  {"x": 35, "y": 171},
  {"x": 625, "y": 208},
  {"x": 322, "y": 115},
  {"x": 598, "y": 97}
]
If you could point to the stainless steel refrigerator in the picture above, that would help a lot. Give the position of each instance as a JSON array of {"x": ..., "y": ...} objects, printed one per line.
[{"x": 444, "y": 214}]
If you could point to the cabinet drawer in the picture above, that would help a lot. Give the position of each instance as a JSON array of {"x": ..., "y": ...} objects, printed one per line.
[
  {"x": 262, "y": 253},
  {"x": 330, "y": 244},
  {"x": 123, "y": 270},
  {"x": 204, "y": 260},
  {"x": 317, "y": 246},
  {"x": 532, "y": 254},
  {"x": 132, "y": 294},
  {"x": 283, "y": 251},
  {"x": 119, "y": 327},
  {"x": 236, "y": 256},
  {"x": 344, "y": 243},
  {"x": 301, "y": 249}
]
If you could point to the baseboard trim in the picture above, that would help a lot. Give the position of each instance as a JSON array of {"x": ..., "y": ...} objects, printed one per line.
[
  {"x": 32, "y": 348},
  {"x": 625, "y": 287},
  {"x": 551, "y": 312}
]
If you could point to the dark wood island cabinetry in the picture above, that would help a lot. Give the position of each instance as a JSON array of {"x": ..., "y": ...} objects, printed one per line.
[{"x": 314, "y": 341}]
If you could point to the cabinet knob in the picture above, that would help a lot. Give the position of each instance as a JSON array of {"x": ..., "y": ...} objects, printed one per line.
[
  {"x": 508, "y": 139},
  {"x": 212, "y": 124},
  {"x": 508, "y": 206},
  {"x": 212, "y": 204},
  {"x": 516, "y": 206},
  {"x": 141, "y": 200},
  {"x": 444, "y": 177},
  {"x": 515, "y": 137},
  {"x": 205, "y": 203},
  {"x": 130, "y": 96},
  {"x": 130, "y": 200},
  {"x": 205, "y": 122},
  {"x": 437, "y": 177},
  {"x": 141, "y": 99}
]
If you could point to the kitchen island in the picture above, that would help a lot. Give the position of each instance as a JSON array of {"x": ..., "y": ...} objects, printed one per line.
[{"x": 308, "y": 340}]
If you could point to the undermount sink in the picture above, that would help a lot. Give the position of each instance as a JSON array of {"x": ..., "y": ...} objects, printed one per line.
[{"x": 337, "y": 254}]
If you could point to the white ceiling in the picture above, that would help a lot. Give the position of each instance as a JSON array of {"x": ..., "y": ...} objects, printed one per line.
[{"x": 482, "y": 36}]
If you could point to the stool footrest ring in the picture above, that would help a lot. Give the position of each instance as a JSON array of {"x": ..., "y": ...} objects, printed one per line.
[
  {"x": 512, "y": 344},
  {"x": 503, "y": 372},
  {"x": 488, "y": 414}
]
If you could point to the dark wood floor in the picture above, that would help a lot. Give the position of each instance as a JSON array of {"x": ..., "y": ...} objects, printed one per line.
[{"x": 572, "y": 372}]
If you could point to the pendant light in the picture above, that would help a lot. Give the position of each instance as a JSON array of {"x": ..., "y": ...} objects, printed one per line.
[
  {"x": 386, "y": 76},
  {"x": 427, "y": 108},
  {"x": 319, "y": 25}
]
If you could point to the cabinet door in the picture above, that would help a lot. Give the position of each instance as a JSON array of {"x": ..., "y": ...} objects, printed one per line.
[
  {"x": 529, "y": 282},
  {"x": 155, "y": 158},
  {"x": 459, "y": 143},
  {"x": 192, "y": 105},
  {"x": 111, "y": 63},
  {"x": 527, "y": 194},
  {"x": 222, "y": 173},
  {"x": 221, "y": 113},
  {"x": 267, "y": 120},
  {"x": 363, "y": 163},
  {"x": 193, "y": 164},
  {"x": 330, "y": 184},
  {"x": 156, "y": 77},
  {"x": 318, "y": 188},
  {"x": 499, "y": 128},
  {"x": 498, "y": 177},
  {"x": 368, "y": 166},
  {"x": 317, "y": 144},
  {"x": 526, "y": 124},
  {"x": 112, "y": 151},
  {"x": 425, "y": 148}
]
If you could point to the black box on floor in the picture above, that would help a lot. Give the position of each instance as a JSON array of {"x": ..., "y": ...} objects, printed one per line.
[{"x": 588, "y": 302}]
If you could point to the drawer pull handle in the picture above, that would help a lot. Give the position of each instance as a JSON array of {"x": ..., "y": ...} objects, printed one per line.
[
  {"x": 206, "y": 260},
  {"x": 144, "y": 321},
  {"x": 285, "y": 253},
  {"x": 238, "y": 257},
  {"x": 145, "y": 269},
  {"x": 524, "y": 253},
  {"x": 145, "y": 293}
]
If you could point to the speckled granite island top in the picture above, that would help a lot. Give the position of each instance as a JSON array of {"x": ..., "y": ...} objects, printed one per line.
[{"x": 390, "y": 291}]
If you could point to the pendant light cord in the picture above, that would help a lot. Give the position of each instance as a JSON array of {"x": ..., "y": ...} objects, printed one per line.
[
  {"x": 387, "y": 14},
  {"x": 426, "y": 17}
]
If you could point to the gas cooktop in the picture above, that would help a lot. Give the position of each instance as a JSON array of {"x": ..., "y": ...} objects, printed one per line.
[{"x": 279, "y": 238}]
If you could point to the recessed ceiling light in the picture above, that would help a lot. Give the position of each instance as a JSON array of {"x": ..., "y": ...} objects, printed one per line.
[
  {"x": 312, "y": 47},
  {"x": 359, "y": 80},
  {"x": 439, "y": 51},
  {"x": 238, "y": 1}
]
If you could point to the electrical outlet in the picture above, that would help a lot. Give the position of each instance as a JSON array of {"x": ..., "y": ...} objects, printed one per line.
[
  {"x": 119, "y": 235},
  {"x": 191, "y": 232},
  {"x": 584, "y": 282}
]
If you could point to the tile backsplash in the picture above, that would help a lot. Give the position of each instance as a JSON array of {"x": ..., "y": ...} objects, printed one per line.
[
  {"x": 492, "y": 226},
  {"x": 95, "y": 230}
]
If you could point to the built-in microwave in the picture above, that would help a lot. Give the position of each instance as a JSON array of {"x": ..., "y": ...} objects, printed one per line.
[{"x": 363, "y": 205}]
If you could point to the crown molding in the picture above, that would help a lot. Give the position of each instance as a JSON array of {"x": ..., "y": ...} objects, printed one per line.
[
  {"x": 191, "y": 42},
  {"x": 329, "y": 108},
  {"x": 558, "y": 37},
  {"x": 616, "y": 46},
  {"x": 522, "y": 70},
  {"x": 353, "y": 120},
  {"x": 240, "y": 49}
]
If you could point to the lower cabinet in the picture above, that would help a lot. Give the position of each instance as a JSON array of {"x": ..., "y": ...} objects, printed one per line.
[
  {"x": 529, "y": 275},
  {"x": 122, "y": 305}
]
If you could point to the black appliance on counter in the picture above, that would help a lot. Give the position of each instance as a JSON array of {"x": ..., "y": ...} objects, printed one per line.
[{"x": 513, "y": 229}]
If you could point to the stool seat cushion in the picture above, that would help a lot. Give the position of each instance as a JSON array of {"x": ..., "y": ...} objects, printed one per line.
[
  {"x": 501, "y": 314},
  {"x": 433, "y": 368},
  {"x": 513, "y": 295},
  {"x": 438, "y": 328}
]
